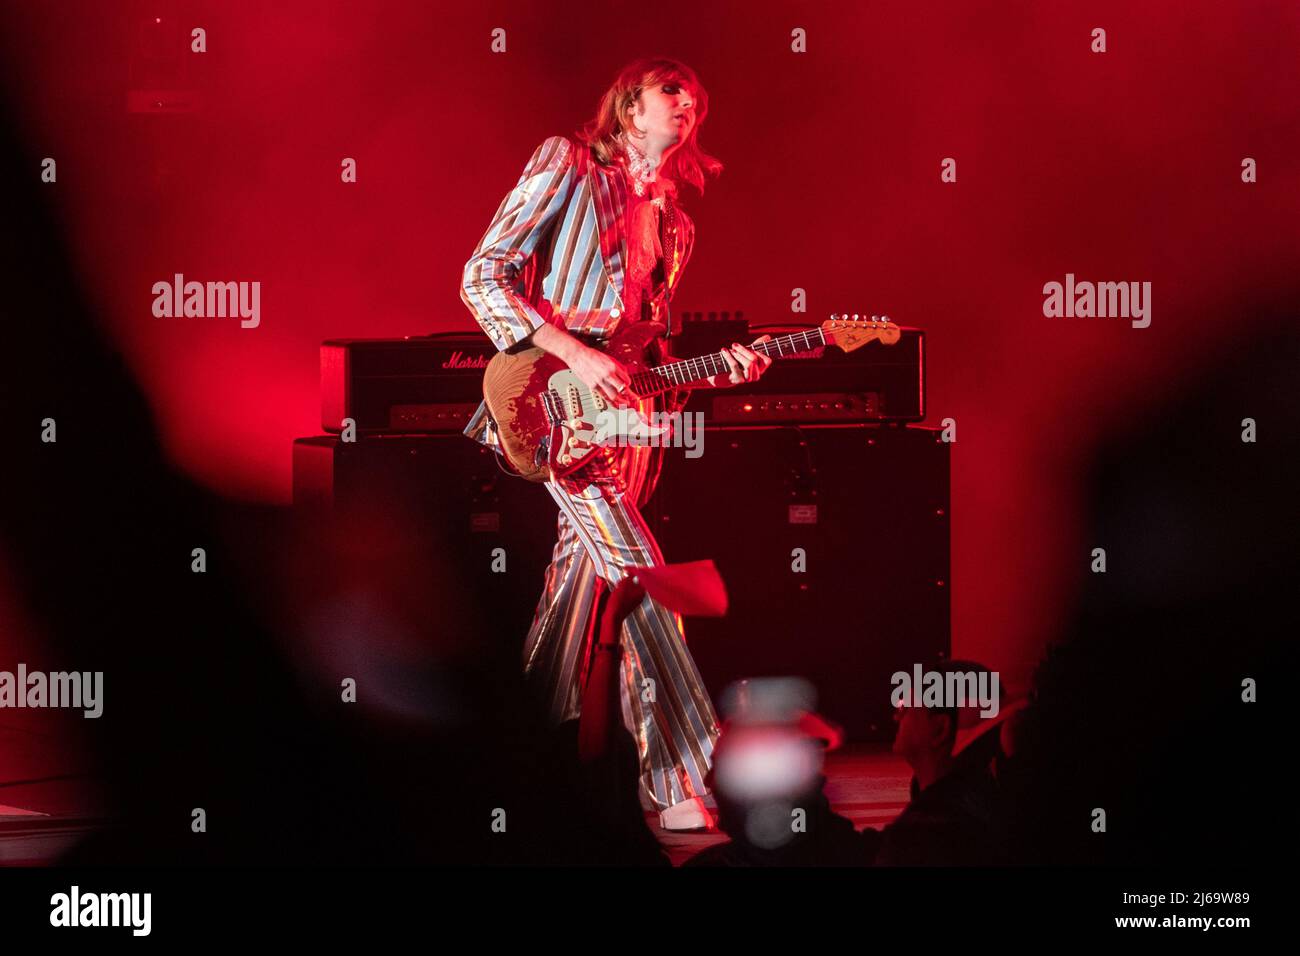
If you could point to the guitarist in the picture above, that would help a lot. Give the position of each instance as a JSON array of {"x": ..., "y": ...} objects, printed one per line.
[{"x": 590, "y": 238}]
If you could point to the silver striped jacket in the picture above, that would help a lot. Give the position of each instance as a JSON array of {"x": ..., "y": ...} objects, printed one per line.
[{"x": 555, "y": 252}]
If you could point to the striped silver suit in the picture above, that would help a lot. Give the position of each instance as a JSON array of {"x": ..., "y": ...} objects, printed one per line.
[{"x": 556, "y": 251}]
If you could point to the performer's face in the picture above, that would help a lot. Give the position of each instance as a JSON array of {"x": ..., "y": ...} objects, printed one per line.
[{"x": 665, "y": 111}]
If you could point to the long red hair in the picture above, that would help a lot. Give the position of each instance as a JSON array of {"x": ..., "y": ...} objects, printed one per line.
[{"x": 688, "y": 162}]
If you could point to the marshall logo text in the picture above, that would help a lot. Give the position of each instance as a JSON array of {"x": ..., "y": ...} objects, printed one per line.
[{"x": 460, "y": 360}]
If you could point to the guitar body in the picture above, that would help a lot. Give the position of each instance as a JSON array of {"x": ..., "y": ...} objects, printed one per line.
[
  {"x": 549, "y": 423},
  {"x": 512, "y": 387}
]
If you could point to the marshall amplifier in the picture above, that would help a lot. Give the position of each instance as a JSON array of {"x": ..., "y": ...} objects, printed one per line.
[
  {"x": 873, "y": 384},
  {"x": 413, "y": 385}
]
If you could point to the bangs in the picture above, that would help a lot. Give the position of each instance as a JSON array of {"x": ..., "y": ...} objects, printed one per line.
[
  {"x": 668, "y": 74},
  {"x": 671, "y": 74}
]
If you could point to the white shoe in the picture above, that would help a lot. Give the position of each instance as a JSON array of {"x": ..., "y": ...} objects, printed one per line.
[{"x": 687, "y": 815}]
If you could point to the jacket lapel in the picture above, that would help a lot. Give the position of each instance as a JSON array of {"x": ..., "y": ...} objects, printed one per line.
[{"x": 609, "y": 193}]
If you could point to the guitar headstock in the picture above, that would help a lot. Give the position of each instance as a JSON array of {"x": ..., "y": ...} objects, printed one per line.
[{"x": 854, "y": 331}]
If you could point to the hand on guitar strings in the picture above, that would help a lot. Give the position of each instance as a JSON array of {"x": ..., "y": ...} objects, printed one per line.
[
  {"x": 604, "y": 375},
  {"x": 746, "y": 365}
]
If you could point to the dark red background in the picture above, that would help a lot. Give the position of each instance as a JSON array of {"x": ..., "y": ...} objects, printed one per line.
[{"x": 1117, "y": 166}]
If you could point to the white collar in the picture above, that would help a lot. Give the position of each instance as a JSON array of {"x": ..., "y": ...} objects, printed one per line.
[{"x": 638, "y": 164}]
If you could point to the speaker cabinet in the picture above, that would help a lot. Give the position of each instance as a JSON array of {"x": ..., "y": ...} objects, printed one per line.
[
  {"x": 434, "y": 521},
  {"x": 834, "y": 545},
  {"x": 832, "y": 540}
]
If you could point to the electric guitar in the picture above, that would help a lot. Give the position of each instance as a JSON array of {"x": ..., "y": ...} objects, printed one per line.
[{"x": 550, "y": 423}]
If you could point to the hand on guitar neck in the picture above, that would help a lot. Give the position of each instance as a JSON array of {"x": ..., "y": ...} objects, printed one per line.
[{"x": 746, "y": 365}]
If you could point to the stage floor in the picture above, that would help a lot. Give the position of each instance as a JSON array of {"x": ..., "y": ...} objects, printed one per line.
[{"x": 865, "y": 783}]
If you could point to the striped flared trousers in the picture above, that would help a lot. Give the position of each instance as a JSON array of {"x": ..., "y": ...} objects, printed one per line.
[{"x": 665, "y": 705}]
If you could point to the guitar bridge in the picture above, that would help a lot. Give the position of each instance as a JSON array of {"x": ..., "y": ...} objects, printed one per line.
[{"x": 551, "y": 405}]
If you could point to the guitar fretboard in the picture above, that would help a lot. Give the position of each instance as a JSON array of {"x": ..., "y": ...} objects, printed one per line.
[{"x": 652, "y": 381}]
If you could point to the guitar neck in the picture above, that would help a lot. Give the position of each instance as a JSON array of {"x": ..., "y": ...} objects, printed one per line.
[{"x": 661, "y": 378}]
